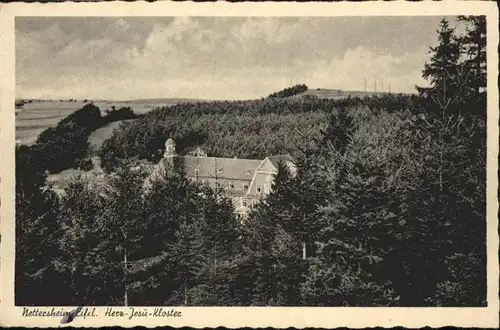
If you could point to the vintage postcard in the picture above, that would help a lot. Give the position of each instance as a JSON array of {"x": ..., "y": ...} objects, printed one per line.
[{"x": 249, "y": 165}]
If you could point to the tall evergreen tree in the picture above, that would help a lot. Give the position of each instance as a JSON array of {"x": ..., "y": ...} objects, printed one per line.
[
  {"x": 37, "y": 232},
  {"x": 92, "y": 266},
  {"x": 447, "y": 212},
  {"x": 220, "y": 244},
  {"x": 125, "y": 218},
  {"x": 274, "y": 236},
  {"x": 187, "y": 263},
  {"x": 189, "y": 236},
  {"x": 442, "y": 70},
  {"x": 359, "y": 216},
  {"x": 164, "y": 209},
  {"x": 474, "y": 47}
]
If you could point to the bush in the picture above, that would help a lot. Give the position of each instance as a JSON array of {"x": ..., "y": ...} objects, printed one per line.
[
  {"x": 86, "y": 164},
  {"x": 291, "y": 91},
  {"x": 63, "y": 146},
  {"x": 121, "y": 114}
]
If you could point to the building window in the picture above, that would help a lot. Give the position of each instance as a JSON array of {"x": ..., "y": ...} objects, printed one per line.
[
  {"x": 245, "y": 186},
  {"x": 244, "y": 203},
  {"x": 231, "y": 184},
  {"x": 259, "y": 189}
]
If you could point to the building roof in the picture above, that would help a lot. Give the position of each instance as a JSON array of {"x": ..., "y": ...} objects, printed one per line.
[
  {"x": 241, "y": 171},
  {"x": 222, "y": 168},
  {"x": 226, "y": 168},
  {"x": 213, "y": 167}
]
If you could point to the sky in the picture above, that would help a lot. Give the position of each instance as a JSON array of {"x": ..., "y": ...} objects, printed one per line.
[{"x": 125, "y": 58}]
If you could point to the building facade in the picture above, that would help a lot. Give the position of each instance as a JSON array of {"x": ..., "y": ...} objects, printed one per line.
[{"x": 245, "y": 181}]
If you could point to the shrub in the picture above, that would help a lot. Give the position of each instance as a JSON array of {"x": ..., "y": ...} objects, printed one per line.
[
  {"x": 62, "y": 146},
  {"x": 287, "y": 92},
  {"x": 86, "y": 164},
  {"x": 121, "y": 114}
]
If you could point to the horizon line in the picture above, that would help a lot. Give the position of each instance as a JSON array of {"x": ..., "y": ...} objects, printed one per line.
[{"x": 65, "y": 99}]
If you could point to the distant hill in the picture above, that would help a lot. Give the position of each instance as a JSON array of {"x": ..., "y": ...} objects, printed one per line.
[
  {"x": 324, "y": 93},
  {"x": 137, "y": 101},
  {"x": 300, "y": 91},
  {"x": 164, "y": 101}
]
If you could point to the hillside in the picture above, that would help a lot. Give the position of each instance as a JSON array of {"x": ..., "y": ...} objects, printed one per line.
[
  {"x": 97, "y": 137},
  {"x": 302, "y": 90},
  {"x": 325, "y": 93},
  {"x": 243, "y": 129},
  {"x": 164, "y": 101},
  {"x": 36, "y": 116}
]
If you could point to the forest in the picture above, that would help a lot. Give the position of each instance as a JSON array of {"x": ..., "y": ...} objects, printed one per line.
[{"x": 388, "y": 204}]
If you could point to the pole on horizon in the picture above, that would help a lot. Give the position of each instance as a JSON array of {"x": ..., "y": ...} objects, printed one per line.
[
  {"x": 389, "y": 88},
  {"x": 365, "y": 84}
]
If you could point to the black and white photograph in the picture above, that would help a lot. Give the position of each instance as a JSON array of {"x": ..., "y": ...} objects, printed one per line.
[{"x": 248, "y": 161}]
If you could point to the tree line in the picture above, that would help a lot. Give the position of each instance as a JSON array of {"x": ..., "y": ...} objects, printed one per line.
[
  {"x": 387, "y": 207},
  {"x": 66, "y": 145},
  {"x": 243, "y": 129},
  {"x": 290, "y": 91}
]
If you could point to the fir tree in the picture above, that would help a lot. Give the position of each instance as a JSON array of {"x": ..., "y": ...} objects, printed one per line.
[
  {"x": 474, "y": 47},
  {"x": 155, "y": 234},
  {"x": 359, "y": 216},
  {"x": 125, "y": 218},
  {"x": 187, "y": 263},
  {"x": 89, "y": 259},
  {"x": 448, "y": 212},
  {"x": 220, "y": 233},
  {"x": 278, "y": 220},
  {"x": 442, "y": 70},
  {"x": 37, "y": 232}
]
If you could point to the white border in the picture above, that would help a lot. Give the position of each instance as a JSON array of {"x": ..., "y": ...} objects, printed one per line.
[{"x": 255, "y": 316}]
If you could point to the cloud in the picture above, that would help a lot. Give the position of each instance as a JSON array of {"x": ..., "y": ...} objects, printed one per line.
[
  {"x": 215, "y": 57},
  {"x": 401, "y": 72}
]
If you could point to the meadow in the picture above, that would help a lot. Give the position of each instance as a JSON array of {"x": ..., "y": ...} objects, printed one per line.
[{"x": 35, "y": 117}]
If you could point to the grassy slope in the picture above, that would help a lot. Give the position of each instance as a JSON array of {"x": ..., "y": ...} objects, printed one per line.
[
  {"x": 323, "y": 93},
  {"x": 37, "y": 116},
  {"x": 97, "y": 138}
]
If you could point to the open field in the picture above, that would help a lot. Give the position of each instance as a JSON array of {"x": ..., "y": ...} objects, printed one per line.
[
  {"x": 38, "y": 116},
  {"x": 324, "y": 93},
  {"x": 100, "y": 135}
]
